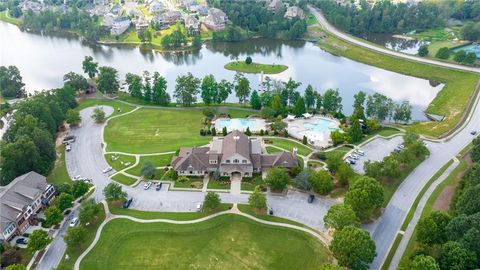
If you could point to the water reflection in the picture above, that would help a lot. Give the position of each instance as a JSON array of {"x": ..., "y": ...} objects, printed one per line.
[
  {"x": 396, "y": 43},
  {"x": 43, "y": 59}
]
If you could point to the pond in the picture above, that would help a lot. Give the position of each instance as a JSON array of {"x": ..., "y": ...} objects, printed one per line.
[
  {"x": 44, "y": 59},
  {"x": 396, "y": 42}
]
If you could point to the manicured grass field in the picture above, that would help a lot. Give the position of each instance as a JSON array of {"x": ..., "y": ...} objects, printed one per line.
[
  {"x": 247, "y": 209},
  {"x": 289, "y": 145},
  {"x": 59, "y": 174},
  {"x": 271, "y": 149},
  {"x": 450, "y": 102},
  {"x": 251, "y": 183},
  {"x": 214, "y": 184},
  {"x": 6, "y": 18},
  {"x": 85, "y": 103},
  {"x": 124, "y": 179},
  {"x": 122, "y": 162},
  {"x": 154, "y": 131},
  {"x": 193, "y": 182},
  {"x": 225, "y": 242},
  {"x": 241, "y": 66},
  {"x": 157, "y": 161}
]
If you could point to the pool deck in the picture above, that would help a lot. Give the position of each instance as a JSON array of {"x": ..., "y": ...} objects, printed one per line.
[{"x": 296, "y": 128}]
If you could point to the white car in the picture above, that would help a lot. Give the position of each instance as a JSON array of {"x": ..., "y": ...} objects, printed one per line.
[
  {"x": 77, "y": 177},
  {"x": 359, "y": 152},
  {"x": 106, "y": 170},
  {"x": 354, "y": 156},
  {"x": 199, "y": 207},
  {"x": 68, "y": 147},
  {"x": 74, "y": 222},
  {"x": 147, "y": 185}
]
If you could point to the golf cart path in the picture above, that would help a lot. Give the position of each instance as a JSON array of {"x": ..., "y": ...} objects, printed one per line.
[{"x": 234, "y": 210}]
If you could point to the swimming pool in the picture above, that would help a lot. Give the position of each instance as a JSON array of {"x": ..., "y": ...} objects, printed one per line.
[
  {"x": 316, "y": 129},
  {"x": 475, "y": 48},
  {"x": 240, "y": 124},
  {"x": 321, "y": 125}
]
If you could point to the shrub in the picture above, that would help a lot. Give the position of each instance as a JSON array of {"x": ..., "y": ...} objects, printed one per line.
[
  {"x": 443, "y": 53},
  {"x": 183, "y": 179},
  {"x": 248, "y": 61}
]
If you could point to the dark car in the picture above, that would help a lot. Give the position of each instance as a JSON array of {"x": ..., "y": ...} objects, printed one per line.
[
  {"x": 270, "y": 211},
  {"x": 473, "y": 132},
  {"x": 22, "y": 241},
  {"x": 158, "y": 186},
  {"x": 311, "y": 198},
  {"x": 127, "y": 203}
]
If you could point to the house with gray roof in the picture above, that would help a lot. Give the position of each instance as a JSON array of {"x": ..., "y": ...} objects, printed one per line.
[
  {"x": 216, "y": 19},
  {"x": 21, "y": 200},
  {"x": 235, "y": 153},
  {"x": 192, "y": 25}
]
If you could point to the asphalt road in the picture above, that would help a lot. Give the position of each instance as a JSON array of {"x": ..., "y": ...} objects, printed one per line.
[{"x": 357, "y": 41}]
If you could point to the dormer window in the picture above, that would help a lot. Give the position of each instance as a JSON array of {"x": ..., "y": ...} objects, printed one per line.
[
  {"x": 244, "y": 161},
  {"x": 235, "y": 161},
  {"x": 227, "y": 161},
  {"x": 213, "y": 161}
]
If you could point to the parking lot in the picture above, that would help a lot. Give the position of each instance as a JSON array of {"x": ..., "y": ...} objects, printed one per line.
[{"x": 376, "y": 150}]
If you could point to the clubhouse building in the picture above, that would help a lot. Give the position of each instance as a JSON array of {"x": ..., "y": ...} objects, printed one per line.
[{"x": 235, "y": 153}]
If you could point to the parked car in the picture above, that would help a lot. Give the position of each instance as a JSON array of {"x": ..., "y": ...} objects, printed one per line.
[
  {"x": 106, "y": 170},
  {"x": 127, "y": 203},
  {"x": 359, "y": 152},
  {"x": 351, "y": 161},
  {"x": 22, "y": 241},
  {"x": 270, "y": 211},
  {"x": 199, "y": 207},
  {"x": 354, "y": 156},
  {"x": 401, "y": 146},
  {"x": 87, "y": 180},
  {"x": 77, "y": 177},
  {"x": 147, "y": 185},
  {"x": 158, "y": 186},
  {"x": 69, "y": 139},
  {"x": 68, "y": 147},
  {"x": 74, "y": 222},
  {"x": 311, "y": 198},
  {"x": 473, "y": 132}
]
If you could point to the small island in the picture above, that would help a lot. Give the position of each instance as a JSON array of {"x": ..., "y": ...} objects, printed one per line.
[{"x": 248, "y": 66}]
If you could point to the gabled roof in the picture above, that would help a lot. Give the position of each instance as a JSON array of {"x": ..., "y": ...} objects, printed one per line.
[
  {"x": 236, "y": 143},
  {"x": 191, "y": 158}
]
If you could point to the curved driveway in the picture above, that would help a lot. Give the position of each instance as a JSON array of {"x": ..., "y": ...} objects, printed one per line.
[{"x": 330, "y": 28}]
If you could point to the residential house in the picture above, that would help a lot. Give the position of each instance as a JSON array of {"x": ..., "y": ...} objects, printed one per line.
[
  {"x": 168, "y": 18},
  {"x": 156, "y": 7},
  {"x": 192, "y": 25},
  {"x": 108, "y": 20},
  {"x": 293, "y": 12},
  {"x": 202, "y": 10},
  {"x": 32, "y": 5},
  {"x": 141, "y": 24},
  {"x": 235, "y": 153},
  {"x": 216, "y": 19},
  {"x": 21, "y": 200},
  {"x": 120, "y": 25},
  {"x": 116, "y": 9},
  {"x": 274, "y": 5},
  {"x": 99, "y": 10}
]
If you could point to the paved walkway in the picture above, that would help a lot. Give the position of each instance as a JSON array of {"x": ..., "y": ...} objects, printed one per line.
[
  {"x": 357, "y": 41},
  {"x": 109, "y": 216},
  {"x": 236, "y": 184}
]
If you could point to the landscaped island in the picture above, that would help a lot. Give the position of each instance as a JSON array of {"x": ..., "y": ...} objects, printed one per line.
[{"x": 242, "y": 66}]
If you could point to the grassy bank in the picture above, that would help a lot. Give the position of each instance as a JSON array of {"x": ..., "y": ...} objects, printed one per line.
[
  {"x": 119, "y": 162},
  {"x": 241, "y": 66},
  {"x": 59, "y": 174},
  {"x": 450, "y": 102},
  {"x": 6, "y": 18},
  {"x": 288, "y": 145},
  {"x": 85, "y": 103},
  {"x": 157, "y": 161},
  {"x": 124, "y": 179},
  {"x": 229, "y": 241}
]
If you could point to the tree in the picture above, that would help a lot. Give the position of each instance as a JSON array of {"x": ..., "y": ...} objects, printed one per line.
[
  {"x": 148, "y": 170},
  {"x": 186, "y": 89},
  {"x": 355, "y": 133},
  {"x": 98, "y": 115},
  {"x": 159, "y": 90},
  {"x": 88, "y": 210},
  {"x": 224, "y": 131},
  {"x": 90, "y": 67},
  {"x": 353, "y": 248},
  {"x": 114, "y": 192},
  {"x": 470, "y": 58},
  {"x": 304, "y": 140},
  {"x": 258, "y": 200},
  {"x": 469, "y": 202},
  {"x": 365, "y": 197},
  {"x": 277, "y": 179},
  {"x": 108, "y": 80},
  {"x": 64, "y": 201},
  {"x": 423, "y": 50},
  {"x": 145, "y": 36},
  {"x": 209, "y": 89},
  {"x": 344, "y": 173},
  {"x": 432, "y": 228},
  {"x": 224, "y": 90},
  {"x": 424, "y": 262},
  {"x": 340, "y": 216},
  {"x": 278, "y": 126},
  {"x": 75, "y": 236},
  {"x": 39, "y": 239},
  {"x": 79, "y": 188},
  {"x": 334, "y": 161},
  {"x": 332, "y": 102},
  {"x": 321, "y": 182},
  {"x": 11, "y": 256},
  {"x": 309, "y": 96},
  {"x": 248, "y": 60},
  {"x": 242, "y": 88},
  {"x": 75, "y": 81},
  {"x": 147, "y": 87},
  {"x": 379, "y": 106},
  {"x": 248, "y": 132},
  {"x": 16, "y": 266},
  {"x": 197, "y": 42},
  {"x": 337, "y": 137},
  {"x": 443, "y": 53},
  {"x": 135, "y": 86},
  {"x": 302, "y": 180},
  {"x": 459, "y": 56},
  {"x": 73, "y": 117},
  {"x": 11, "y": 84},
  {"x": 454, "y": 256},
  {"x": 299, "y": 109},
  {"x": 53, "y": 216},
  {"x": 211, "y": 202},
  {"x": 255, "y": 100}
]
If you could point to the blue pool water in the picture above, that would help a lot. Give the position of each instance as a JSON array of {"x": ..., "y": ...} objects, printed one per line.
[
  {"x": 321, "y": 125},
  {"x": 238, "y": 123},
  {"x": 475, "y": 48}
]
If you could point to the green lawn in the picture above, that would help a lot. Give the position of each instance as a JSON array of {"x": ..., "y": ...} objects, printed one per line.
[
  {"x": 225, "y": 242},
  {"x": 59, "y": 174},
  {"x": 73, "y": 253},
  {"x": 252, "y": 183},
  {"x": 124, "y": 179},
  {"x": 241, "y": 66},
  {"x": 157, "y": 161},
  {"x": 271, "y": 149},
  {"x": 6, "y": 18},
  {"x": 121, "y": 162},
  {"x": 85, "y": 103},
  {"x": 247, "y": 209},
  {"x": 218, "y": 184},
  {"x": 193, "y": 182},
  {"x": 289, "y": 145},
  {"x": 154, "y": 131},
  {"x": 450, "y": 102},
  {"x": 311, "y": 19}
]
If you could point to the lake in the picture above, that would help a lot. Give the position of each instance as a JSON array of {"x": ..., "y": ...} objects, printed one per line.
[{"x": 44, "y": 59}]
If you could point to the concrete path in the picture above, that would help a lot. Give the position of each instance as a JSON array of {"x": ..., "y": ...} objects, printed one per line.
[
  {"x": 357, "y": 41},
  {"x": 109, "y": 216},
  {"x": 236, "y": 185}
]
